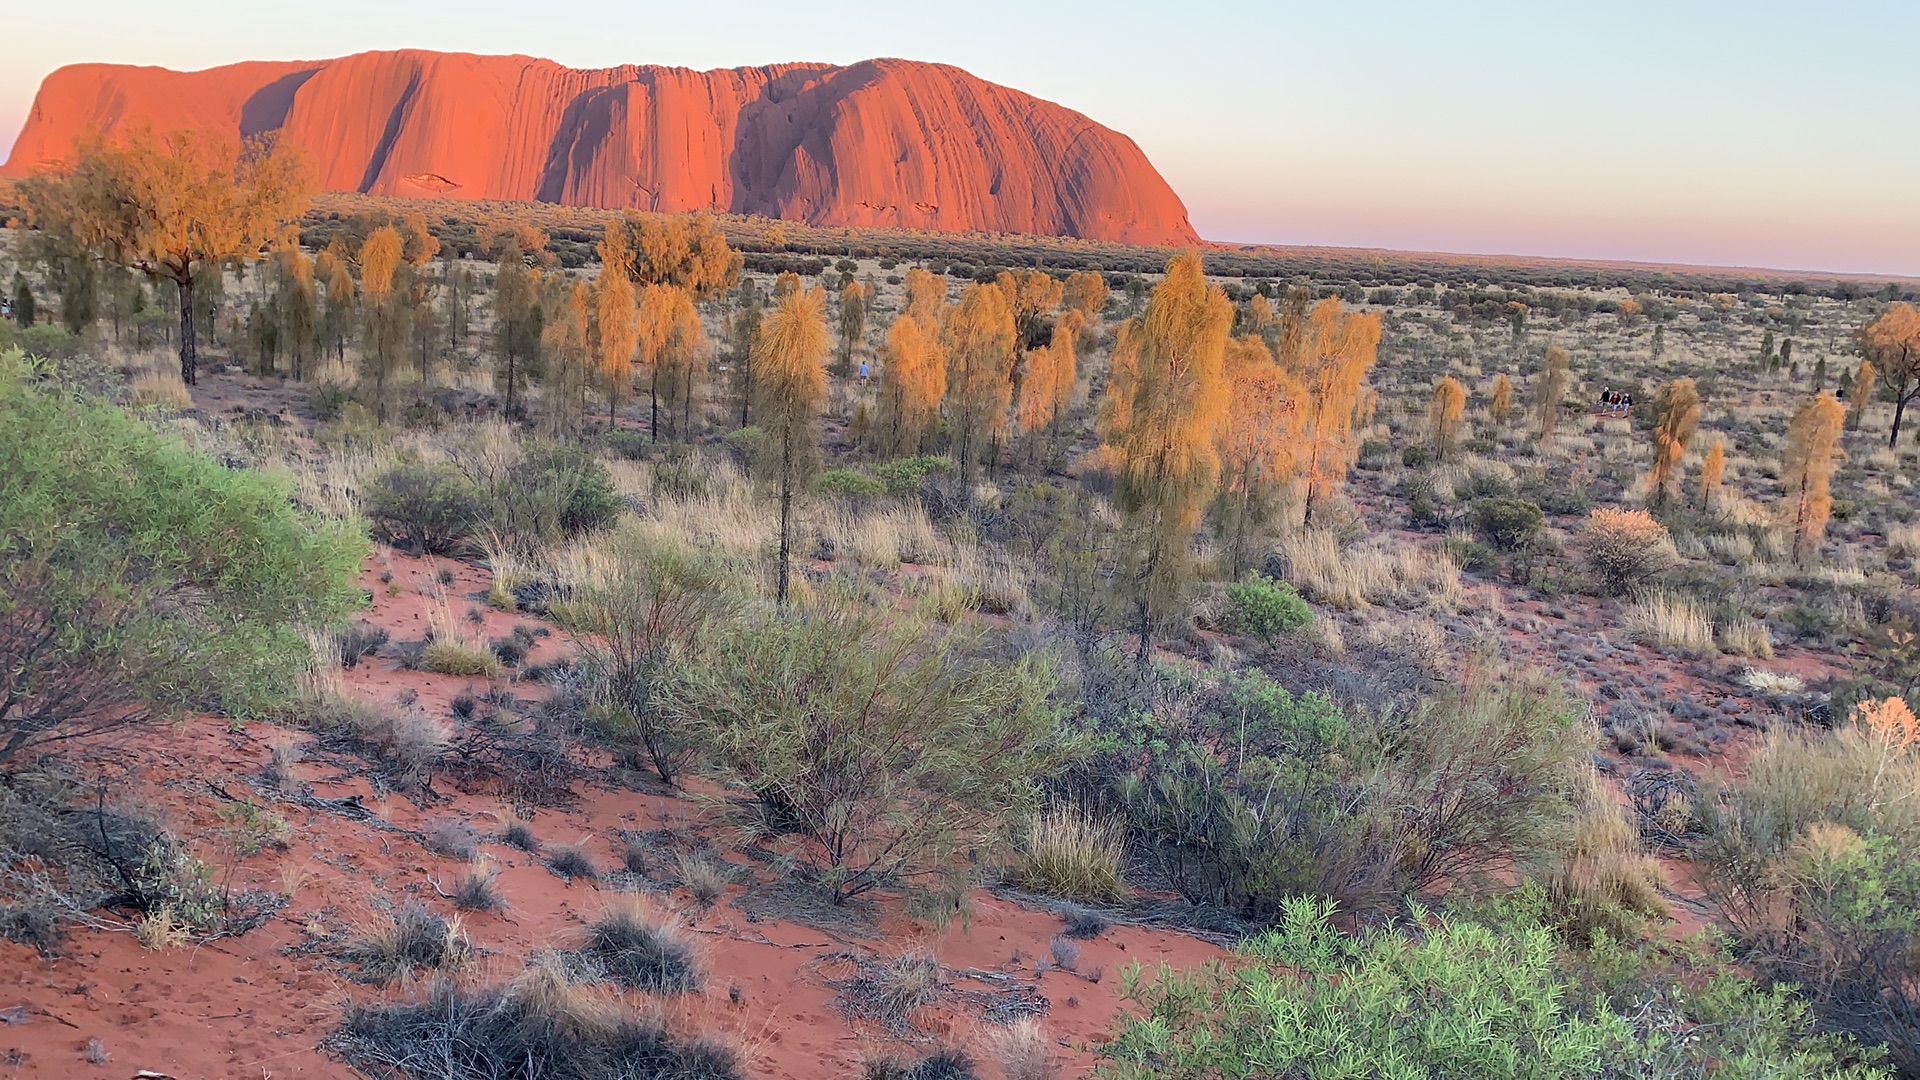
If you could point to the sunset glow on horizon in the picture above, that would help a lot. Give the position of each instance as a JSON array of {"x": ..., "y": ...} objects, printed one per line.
[{"x": 1725, "y": 134}]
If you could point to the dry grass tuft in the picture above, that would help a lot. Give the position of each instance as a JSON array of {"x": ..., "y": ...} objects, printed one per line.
[
  {"x": 1670, "y": 622},
  {"x": 1071, "y": 855},
  {"x": 1023, "y": 1051},
  {"x": 1604, "y": 883}
]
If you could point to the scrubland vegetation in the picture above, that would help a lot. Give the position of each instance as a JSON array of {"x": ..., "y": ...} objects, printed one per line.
[{"x": 1365, "y": 623}]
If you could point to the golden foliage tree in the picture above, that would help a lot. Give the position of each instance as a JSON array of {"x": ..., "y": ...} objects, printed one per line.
[
  {"x": 1449, "y": 404},
  {"x": 926, "y": 296},
  {"x": 853, "y": 324},
  {"x": 519, "y": 323},
  {"x": 1859, "y": 393},
  {"x": 1807, "y": 468},
  {"x": 1334, "y": 351},
  {"x": 686, "y": 251},
  {"x": 1260, "y": 439},
  {"x": 1031, "y": 295},
  {"x": 1713, "y": 473},
  {"x": 1085, "y": 292},
  {"x": 569, "y": 355},
  {"x": 681, "y": 363},
  {"x": 790, "y": 383},
  {"x": 1501, "y": 406},
  {"x": 665, "y": 338},
  {"x": 617, "y": 322},
  {"x": 385, "y": 325},
  {"x": 1676, "y": 410},
  {"x": 331, "y": 267},
  {"x": 173, "y": 207},
  {"x": 913, "y": 380},
  {"x": 1046, "y": 388},
  {"x": 1550, "y": 390},
  {"x": 1257, "y": 317},
  {"x": 296, "y": 307},
  {"x": 1894, "y": 340},
  {"x": 1168, "y": 397},
  {"x": 979, "y": 343}
]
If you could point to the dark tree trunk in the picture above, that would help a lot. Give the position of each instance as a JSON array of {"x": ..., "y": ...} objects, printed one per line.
[
  {"x": 786, "y": 511},
  {"x": 189, "y": 354}
]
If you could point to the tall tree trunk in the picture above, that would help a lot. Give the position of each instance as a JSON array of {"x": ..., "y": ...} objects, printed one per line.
[
  {"x": 786, "y": 511},
  {"x": 189, "y": 352}
]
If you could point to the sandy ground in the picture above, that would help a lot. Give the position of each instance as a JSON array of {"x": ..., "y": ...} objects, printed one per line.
[{"x": 260, "y": 1005}]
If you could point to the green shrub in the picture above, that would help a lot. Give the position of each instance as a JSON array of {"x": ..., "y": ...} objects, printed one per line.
[
  {"x": 904, "y": 476},
  {"x": 1245, "y": 794},
  {"x": 893, "y": 744},
  {"x": 139, "y": 575},
  {"x": 644, "y": 611},
  {"x": 849, "y": 484},
  {"x": 432, "y": 509},
  {"x": 1508, "y": 524},
  {"x": 1417, "y": 456},
  {"x": 1813, "y": 862},
  {"x": 1456, "y": 999},
  {"x": 1265, "y": 609}
]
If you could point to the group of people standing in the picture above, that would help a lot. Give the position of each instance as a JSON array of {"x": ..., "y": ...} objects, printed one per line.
[{"x": 1612, "y": 400}]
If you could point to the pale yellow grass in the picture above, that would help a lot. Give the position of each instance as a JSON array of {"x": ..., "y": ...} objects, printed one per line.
[
  {"x": 1378, "y": 570},
  {"x": 1670, "y": 622}
]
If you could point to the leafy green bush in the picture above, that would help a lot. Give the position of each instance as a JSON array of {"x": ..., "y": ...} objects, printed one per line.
[
  {"x": 138, "y": 575},
  {"x": 892, "y": 744},
  {"x": 1246, "y": 794},
  {"x": 904, "y": 476},
  {"x": 1456, "y": 999},
  {"x": 849, "y": 484},
  {"x": 433, "y": 509},
  {"x": 1508, "y": 524},
  {"x": 1813, "y": 862},
  {"x": 1265, "y": 609},
  {"x": 643, "y": 609}
]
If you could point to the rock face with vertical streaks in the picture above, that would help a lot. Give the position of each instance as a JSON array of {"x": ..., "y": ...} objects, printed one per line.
[{"x": 884, "y": 143}]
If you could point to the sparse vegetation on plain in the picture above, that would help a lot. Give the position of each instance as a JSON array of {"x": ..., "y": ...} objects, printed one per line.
[{"x": 1329, "y": 599}]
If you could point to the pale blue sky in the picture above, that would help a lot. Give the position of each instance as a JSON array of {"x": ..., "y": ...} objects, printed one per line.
[{"x": 1756, "y": 133}]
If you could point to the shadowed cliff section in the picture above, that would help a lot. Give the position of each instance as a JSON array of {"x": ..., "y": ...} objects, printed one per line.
[{"x": 883, "y": 143}]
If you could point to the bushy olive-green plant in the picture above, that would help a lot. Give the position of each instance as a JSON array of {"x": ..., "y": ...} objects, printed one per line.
[
  {"x": 642, "y": 606},
  {"x": 1265, "y": 609},
  {"x": 890, "y": 743},
  {"x": 1247, "y": 794},
  {"x": 1454, "y": 998},
  {"x": 137, "y": 575}
]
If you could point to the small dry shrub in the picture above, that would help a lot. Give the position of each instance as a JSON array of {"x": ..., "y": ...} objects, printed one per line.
[
  {"x": 451, "y": 837},
  {"x": 159, "y": 930},
  {"x": 1071, "y": 855},
  {"x": 890, "y": 992},
  {"x": 1626, "y": 548}
]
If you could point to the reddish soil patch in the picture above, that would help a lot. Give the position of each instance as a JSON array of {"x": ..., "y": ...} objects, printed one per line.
[{"x": 260, "y": 1004}]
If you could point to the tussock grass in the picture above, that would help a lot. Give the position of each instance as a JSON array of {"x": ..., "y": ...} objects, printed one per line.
[
  {"x": 1377, "y": 571},
  {"x": 407, "y": 940},
  {"x": 639, "y": 950},
  {"x": 1747, "y": 637},
  {"x": 1670, "y": 622},
  {"x": 536, "y": 1027},
  {"x": 1604, "y": 883},
  {"x": 1023, "y": 1051},
  {"x": 1071, "y": 855}
]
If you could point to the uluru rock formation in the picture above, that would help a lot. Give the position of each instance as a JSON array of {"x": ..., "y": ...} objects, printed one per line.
[{"x": 884, "y": 143}]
